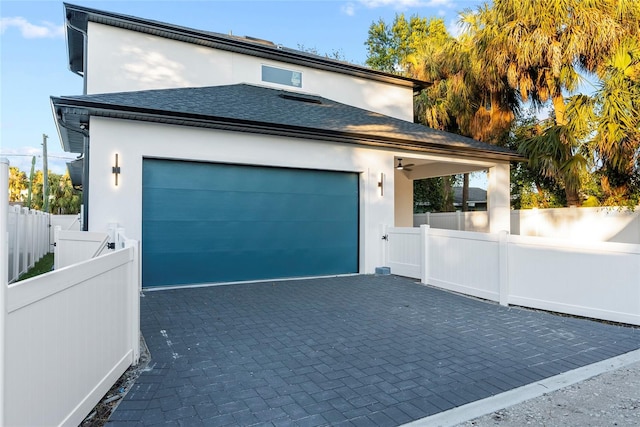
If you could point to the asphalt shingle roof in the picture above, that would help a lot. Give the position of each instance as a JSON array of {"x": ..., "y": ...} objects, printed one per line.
[{"x": 248, "y": 105}]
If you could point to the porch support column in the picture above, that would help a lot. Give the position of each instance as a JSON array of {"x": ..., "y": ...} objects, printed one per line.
[
  {"x": 498, "y": 198},
  {"x": 403, "y": 199}
]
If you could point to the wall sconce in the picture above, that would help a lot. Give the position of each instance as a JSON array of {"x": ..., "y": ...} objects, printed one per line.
[
  {"x": 381, "y": 184},
  {"x": 116, "y": 170}
]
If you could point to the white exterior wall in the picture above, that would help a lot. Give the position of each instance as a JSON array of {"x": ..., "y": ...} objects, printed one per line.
[
  {"x": 121, "y": 60},
  {"x": 499, "y": 198},
  {"x": 403, "y": 199},
  {"x": 133, "y": 141}
]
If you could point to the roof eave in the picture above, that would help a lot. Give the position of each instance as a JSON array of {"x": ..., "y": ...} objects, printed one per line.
[
  {"x": 68, "y": 119},
  {"x": 80, "y": 107}
]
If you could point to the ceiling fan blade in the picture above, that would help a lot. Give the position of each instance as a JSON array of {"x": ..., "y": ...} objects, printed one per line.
[{"x": 409, "y": 165}]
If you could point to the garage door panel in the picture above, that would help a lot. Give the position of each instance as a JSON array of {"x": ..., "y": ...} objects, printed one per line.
[
  {"x": 239, "y": 265},
  {"x": 166, "y": 236},
  {"x": 207, "y": 223}
]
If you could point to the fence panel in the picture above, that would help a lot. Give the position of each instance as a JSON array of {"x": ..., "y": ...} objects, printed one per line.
[
  {"x": 465, "y": 262},
  {"x": 446, "y": 220},
  {"x": 69, "y": 335},
  {"x": 403, "y": 252},
  {"x": 72, "y": 247},
  {"x": 599, "y": 280},
  {"x": 585, "y": 224},
  {"x": 65, "y": 222},
  {"x": 28, "y": 237}
]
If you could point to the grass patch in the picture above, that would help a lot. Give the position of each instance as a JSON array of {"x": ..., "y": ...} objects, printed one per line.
[{"x": 43, "y": 266}]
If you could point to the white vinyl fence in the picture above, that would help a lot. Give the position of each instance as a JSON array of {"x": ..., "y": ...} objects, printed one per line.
[
  {"x": 619, "y": 225},
  {"x": 404, "y": 251},
  {"x": 461, "y": 221},
  {"x": 28, "y": 239},
  {"x": 72, "y": 247},
  {"x": 69, "y": 335},
  {"x": 65, "y": 336},
  {"x": 594, "y": 279},
  {"x": 65, "y": 222}
]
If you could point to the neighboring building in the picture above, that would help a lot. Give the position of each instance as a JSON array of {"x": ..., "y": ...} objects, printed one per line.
[
  {"x": 236, "y": 159},
  {"x": 477, "y": 200}
]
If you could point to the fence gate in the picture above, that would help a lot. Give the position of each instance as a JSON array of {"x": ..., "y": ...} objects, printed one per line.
[{"x": 403, "y": 251}]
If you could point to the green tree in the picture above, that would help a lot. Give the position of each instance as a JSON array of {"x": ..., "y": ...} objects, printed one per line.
[
  {"x": 617, "y": 124},
  {"x": 64, "y": 199},
  {"x": 18, "y": 184},
  {"x": 390, "y": 46},
  {"x": 465, "y": 96},
  {"x": 541, "y": 47}
]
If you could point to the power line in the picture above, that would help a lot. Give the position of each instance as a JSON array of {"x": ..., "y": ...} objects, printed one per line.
[{"x": 37, "y": 155}]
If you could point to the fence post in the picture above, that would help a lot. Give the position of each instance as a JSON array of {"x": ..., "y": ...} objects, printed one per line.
[
  {"x": 503, "y": 265},
  {"x": 134, "y": 292},
  {"x": 4, "y": 273},
  {"x": 424, "y": 259},
  {"x": 56, "y": 247}
]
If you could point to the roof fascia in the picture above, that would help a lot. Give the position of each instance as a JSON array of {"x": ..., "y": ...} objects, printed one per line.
[{"x": 78, "y": 17}]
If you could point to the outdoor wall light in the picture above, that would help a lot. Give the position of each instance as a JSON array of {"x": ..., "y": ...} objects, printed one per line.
[
  {"x": 116, "y": 170},
  {"x": 381, "y": 184}
]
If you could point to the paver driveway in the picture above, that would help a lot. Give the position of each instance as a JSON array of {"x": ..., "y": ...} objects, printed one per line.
[{"x": 359, "y": 350}]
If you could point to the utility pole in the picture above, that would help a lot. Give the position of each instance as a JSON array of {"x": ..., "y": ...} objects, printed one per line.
[
  {"x": 33, "y": 165},
  {"x": 45, "y": 177}
]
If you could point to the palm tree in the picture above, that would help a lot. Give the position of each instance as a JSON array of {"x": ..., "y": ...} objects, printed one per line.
[
  {"x": 617, "y": 101},
  {"x": 540, "y": 47},
  {"x": 17, "y": 184},
  {"x": 468, "y": 96}
]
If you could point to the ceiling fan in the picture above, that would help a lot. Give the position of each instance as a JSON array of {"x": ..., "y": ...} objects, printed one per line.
[{"x": 406, "y": 167}]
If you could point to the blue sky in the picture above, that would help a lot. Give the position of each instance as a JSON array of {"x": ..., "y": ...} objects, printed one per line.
[{"x": 34, "y": 58}]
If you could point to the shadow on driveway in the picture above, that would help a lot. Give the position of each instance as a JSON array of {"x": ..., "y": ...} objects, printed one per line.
[{"x": 361, "y": 350}]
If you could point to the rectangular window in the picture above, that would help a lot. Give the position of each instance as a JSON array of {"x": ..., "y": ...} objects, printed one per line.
[{"x": 282, "y": 77}]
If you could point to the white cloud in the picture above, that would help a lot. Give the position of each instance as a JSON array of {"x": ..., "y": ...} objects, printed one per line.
[
  {"x": 348, "y": 9},
  {"x": 455, "y": 27},
  {"x": 32, "y": 31}
]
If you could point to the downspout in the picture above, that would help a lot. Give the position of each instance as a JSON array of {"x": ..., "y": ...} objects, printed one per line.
[
  {"x": 84, "y": 130},
  {"x": 85, "y": 184}
]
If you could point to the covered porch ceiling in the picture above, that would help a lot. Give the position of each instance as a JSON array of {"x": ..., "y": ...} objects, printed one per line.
[{"x": 415, "y": 168}]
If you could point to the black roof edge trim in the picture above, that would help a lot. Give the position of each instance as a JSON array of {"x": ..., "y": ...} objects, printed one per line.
[
  {"x": 227, "y": 43},
  {"x": 224, "y": 123}
]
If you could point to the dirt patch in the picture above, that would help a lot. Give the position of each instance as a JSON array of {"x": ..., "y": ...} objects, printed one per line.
[{"x": 103, "y": 410}]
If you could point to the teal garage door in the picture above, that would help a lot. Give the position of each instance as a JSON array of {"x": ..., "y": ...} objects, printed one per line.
[{"x": 207, "y": 223}]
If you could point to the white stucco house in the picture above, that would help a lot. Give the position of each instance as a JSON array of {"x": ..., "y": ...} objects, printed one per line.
[{"x": 235, "y": 159}]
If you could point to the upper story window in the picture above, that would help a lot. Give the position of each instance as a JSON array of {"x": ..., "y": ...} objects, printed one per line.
[{"x": 281, "y": 76}]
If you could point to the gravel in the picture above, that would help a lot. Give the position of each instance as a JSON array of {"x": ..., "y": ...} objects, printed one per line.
[{"x": 609, "y": 399}]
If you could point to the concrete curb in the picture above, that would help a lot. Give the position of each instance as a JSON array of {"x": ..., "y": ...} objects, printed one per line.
[{"x": 491, "y": 404}]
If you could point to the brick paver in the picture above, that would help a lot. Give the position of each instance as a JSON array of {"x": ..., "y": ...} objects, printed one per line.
[{"x": 349, "y": 351}]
